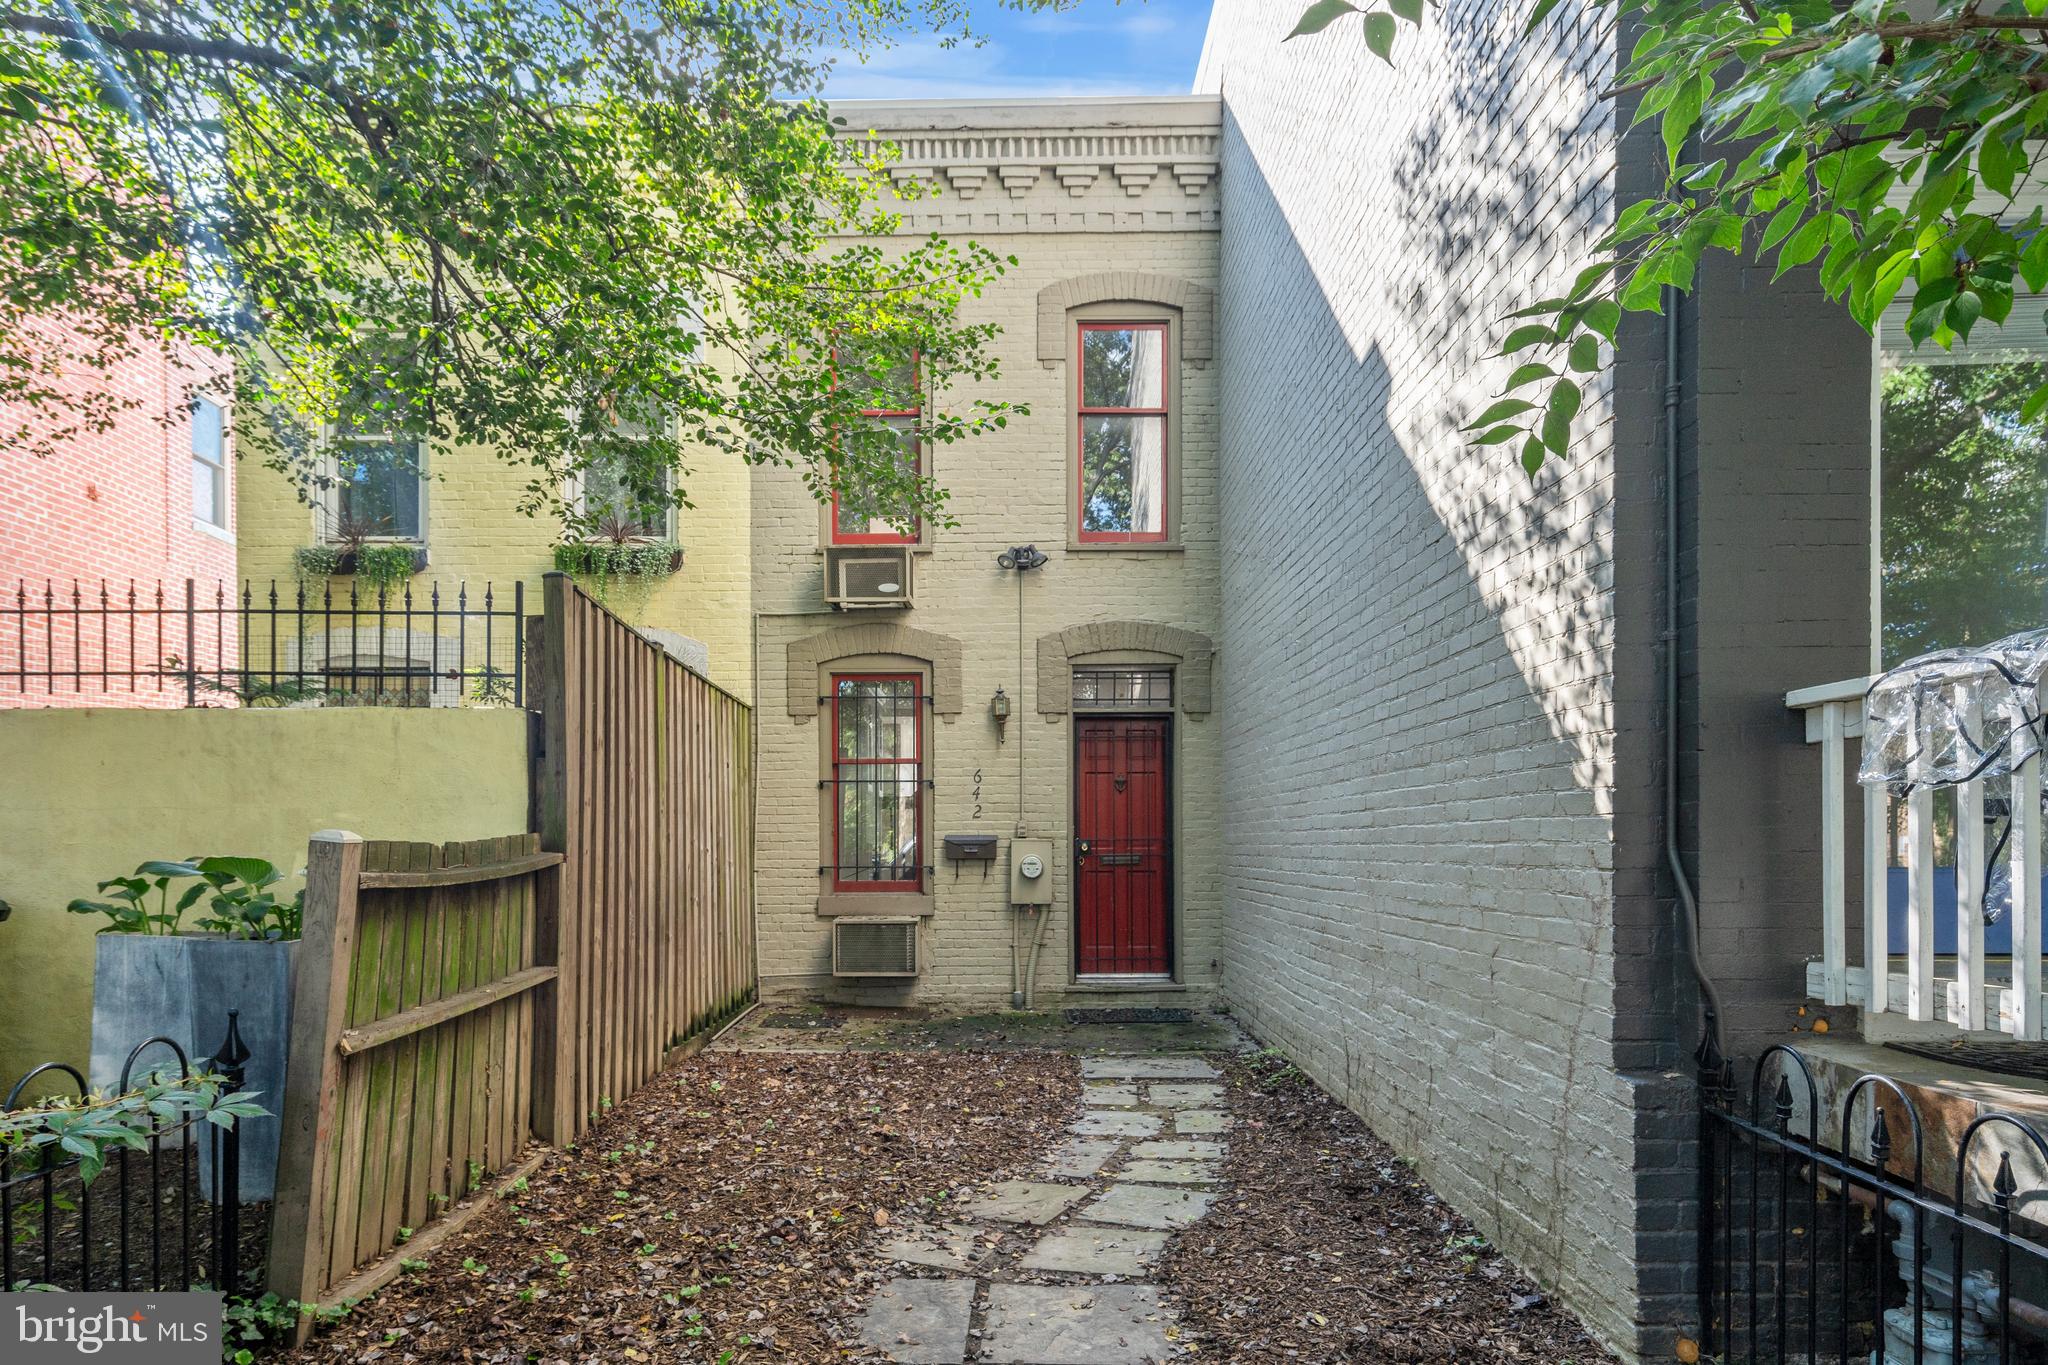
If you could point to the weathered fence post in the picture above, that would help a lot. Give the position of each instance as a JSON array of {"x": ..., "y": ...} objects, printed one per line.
[
  {"x": 301, "y": 1215},
  {"x": 231, "y": 1062},
  {"x": 557, "y": 791}
]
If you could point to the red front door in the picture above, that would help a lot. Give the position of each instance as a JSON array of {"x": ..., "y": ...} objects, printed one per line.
[{"x": 1121, "y": 844}]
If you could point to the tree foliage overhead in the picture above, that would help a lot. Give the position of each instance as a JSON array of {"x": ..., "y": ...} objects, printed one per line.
[
  {"x": 1884, "y": 141},
  {"x": 1963, "y": 506},
  {"x": 609, "y": 231}
]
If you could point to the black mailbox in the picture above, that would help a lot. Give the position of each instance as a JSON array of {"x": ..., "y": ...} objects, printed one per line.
[{"x": 971, "y": 848}]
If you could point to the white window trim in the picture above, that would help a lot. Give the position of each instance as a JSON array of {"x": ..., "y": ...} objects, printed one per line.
[
  {"x": 327, "y": 514},
  {"x": 223, "y": 483},
  {"x": 572, "y": 497}
]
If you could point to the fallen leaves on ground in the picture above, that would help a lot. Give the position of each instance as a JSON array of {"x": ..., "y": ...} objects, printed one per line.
[
  {"x": 717, "y": 1216},
  {"x": 1326, "y": 1246}
]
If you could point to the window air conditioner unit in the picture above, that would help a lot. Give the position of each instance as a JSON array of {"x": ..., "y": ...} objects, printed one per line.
[
  {"x": 875, "y": 947},
  {"x": 868, "y": 575}
]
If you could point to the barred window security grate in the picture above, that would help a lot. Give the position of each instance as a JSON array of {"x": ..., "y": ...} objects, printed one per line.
[{"x": 877, "y": 782}]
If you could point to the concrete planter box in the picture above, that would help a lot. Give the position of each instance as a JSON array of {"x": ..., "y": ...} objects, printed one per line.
[{"x": 181, "y": 987}]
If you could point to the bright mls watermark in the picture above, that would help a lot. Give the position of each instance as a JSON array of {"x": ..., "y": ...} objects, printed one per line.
[{"x": 111, "y": 1329}]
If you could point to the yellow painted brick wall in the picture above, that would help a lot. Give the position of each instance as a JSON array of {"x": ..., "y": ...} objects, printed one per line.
[{"x": 475, "y": 534}]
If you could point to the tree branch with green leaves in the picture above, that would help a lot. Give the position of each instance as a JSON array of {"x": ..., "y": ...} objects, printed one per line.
[
  {"x": 1884, "y": 145},
  {"x": 614, "y": 231}
]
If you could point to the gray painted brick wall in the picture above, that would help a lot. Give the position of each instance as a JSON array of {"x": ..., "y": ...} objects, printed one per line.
[{"x": 1437, "y": 682}]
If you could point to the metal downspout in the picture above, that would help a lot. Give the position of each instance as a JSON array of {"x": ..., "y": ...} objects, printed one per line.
[{"x": 1708, "y": 1052}]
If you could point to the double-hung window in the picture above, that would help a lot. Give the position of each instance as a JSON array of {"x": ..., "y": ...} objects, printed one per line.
[
  {"x": 860, "y": 515},
  {"x": 622, "y": 497},
  {"x": 1123, "y": 417},
  {"x": 615, "y": 508},
  {"x": 377, "y": 486},
  {"x": 209, "y": 463},
  {"x": 877, "y": 782}
]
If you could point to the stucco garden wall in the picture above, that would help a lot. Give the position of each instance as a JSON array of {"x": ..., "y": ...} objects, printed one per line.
[
  {"x": 90, "y": 794},
  {"x": 1436, "y": 686},
  {"x": 1080, "y": 232}
]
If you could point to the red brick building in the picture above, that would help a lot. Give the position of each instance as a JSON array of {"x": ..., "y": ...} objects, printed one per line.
[{"x": 117, "y": 520}]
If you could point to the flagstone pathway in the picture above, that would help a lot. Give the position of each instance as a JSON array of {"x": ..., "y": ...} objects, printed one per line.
[{"x": 1052, "y": 1271}]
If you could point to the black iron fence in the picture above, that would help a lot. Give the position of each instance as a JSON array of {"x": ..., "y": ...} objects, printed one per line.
[
  {"x": 170, "y": 1217},
  {"x": 298, "y": 644},
  {"x": 1844, "y": 1232}
]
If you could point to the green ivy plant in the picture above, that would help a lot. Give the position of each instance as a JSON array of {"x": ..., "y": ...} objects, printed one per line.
[
  {"x": 1883, "y": 143},
  {"x": 383, "y": 566},
  {"x": 94, "y": 1128},
  {"x": 317, "y": 561},
  {"x": 608, "y": 559},
  {"x": 251, "y": 1325},
  {"x": 239, "y": 900}
]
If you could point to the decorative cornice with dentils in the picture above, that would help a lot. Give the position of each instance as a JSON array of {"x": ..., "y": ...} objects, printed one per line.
[
  {"x": 1057, "y": 651},
  {"x": 1197, "y": 307},
  {"x": 809, "y": 654},
  {"x": 1046, "y": 165}
]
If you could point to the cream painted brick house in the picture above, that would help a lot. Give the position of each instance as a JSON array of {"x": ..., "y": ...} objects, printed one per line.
[{"x": 1109, "y": 207}]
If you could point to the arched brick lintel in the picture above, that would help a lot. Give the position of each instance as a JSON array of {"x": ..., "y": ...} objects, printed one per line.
[
  {"x": 1056, "y": 653},
  {"x": 812, "y": 652},
  {"x": 1197, "y": 307}
]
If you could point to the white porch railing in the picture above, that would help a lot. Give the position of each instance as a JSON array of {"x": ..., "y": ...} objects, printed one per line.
[{"x": 1964, "y": 988}]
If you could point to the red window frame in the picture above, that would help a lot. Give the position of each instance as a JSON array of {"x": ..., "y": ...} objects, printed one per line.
[
  {"x": 916, "y": 881},
  {"x": 916, "y": 532},
  {"x": 1083, "y": 412}
]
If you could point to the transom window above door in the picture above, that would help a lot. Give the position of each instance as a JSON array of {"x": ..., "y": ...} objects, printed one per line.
[
  {"x": 1123, "y": 410},
  {"x": 1123, "y": 689}
]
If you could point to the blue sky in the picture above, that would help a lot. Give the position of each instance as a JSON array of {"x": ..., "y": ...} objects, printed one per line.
[{"x": 1139, "y": 47}]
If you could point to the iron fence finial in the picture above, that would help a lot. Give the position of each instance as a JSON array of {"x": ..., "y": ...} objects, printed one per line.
[{"x": 233, "y": 1051}]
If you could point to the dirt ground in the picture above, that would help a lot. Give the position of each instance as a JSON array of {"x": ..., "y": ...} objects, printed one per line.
[
  {"x": 1327, "y": 1247},
  {"x": 728, "y": 1213},
  {"x": 718, "y": 1215}
]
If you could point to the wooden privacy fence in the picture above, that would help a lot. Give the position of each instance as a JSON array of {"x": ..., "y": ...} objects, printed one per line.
[
  {"x": 414, "y": 1049},
  {"x": 455, "y": 1002},
  {"x": 644, "y": 784}
]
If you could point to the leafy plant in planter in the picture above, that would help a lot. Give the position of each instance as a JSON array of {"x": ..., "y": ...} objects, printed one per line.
[
  {"x": 618, "y": 551},
  {"x": 184, "y": 940},
  {"x": 352, "y": 550},
  {"x": 317, "y": 561},
  {"x": 241, "y": 906}
]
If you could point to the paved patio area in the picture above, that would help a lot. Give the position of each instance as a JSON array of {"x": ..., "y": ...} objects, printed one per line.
[{"x": 1054, "y": 1270}]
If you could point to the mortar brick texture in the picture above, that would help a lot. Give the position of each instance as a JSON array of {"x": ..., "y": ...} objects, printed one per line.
[
  {"x": 1435, "y": 680},
  {"x": 114, "y": 508},
  {"x": 1007, "y": 488}
]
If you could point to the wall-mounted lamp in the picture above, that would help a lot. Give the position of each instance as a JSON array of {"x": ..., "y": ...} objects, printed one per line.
[
  {"x": 999, "y": 712},
  {"x": 1021, "y": 557}
]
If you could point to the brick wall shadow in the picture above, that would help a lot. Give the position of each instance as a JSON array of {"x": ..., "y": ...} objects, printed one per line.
[{"x": 1437, "y": 673}]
